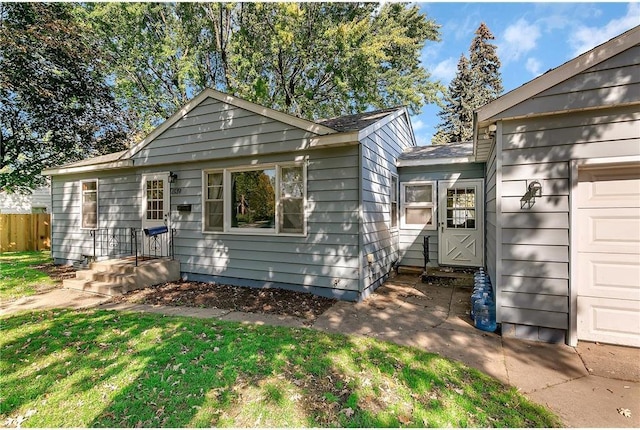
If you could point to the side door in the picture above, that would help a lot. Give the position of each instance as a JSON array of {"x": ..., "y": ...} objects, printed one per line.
[
  {"x": 155, "y": 213},
  {"x": 461, "y": 223}
]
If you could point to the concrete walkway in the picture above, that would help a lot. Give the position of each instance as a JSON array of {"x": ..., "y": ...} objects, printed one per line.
[{"x": 585, "y": 386}]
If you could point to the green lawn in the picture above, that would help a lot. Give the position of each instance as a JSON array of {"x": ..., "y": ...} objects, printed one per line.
[
  {"x": 17, "y": 276},
  {"x": 112, "y": 369}
]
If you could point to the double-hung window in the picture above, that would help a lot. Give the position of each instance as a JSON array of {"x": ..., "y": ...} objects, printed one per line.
[
  {"x": 89, "y": 206},
  {"x": 418, "y": 205},
  {"x": 393, "y": 201},
  {"x": 265, "y": 200}
]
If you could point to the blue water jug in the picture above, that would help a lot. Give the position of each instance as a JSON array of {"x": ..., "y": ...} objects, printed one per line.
[
  {"x": 478, "y": 291},
  {"x": 485, "y": 313}
]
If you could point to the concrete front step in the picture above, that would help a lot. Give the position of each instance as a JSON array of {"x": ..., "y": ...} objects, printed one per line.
[{"x": 116, "y": 277}]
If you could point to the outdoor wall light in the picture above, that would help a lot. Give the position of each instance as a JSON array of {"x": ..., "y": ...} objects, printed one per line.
[
  {"x": 491, "y": 131},
  {"x": 534, "y": 189},
  {"x": 173, "y": 177}
]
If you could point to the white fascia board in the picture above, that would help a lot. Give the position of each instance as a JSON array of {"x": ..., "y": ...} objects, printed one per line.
[
  {"x": 434, "y": 161},
  {"x": 336, "y": 139},
  {"x": 560, "y": 74},
  {"x": 121, "y": 164},
  {"x": 384, "y": 121},
  {"x": 234, "y": 101}
]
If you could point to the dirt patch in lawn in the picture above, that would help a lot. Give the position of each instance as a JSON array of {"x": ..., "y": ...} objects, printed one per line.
[
  {"x": 57, "y": 272},
  {"x": 243, "y": 299}
]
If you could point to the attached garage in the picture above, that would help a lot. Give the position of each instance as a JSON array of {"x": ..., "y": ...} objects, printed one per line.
[
  {"x": 608, "y": 253},
  {"x": 562, "y": 199}
]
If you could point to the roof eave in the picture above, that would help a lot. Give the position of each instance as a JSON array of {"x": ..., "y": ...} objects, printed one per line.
[
  {"x": 561, "y": 73},
  {"x": 120, "y": 164},
  {"x": 435, "y": 161}
]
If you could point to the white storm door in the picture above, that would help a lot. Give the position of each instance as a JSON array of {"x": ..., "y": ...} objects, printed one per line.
[
  {"x": 608, "y": 242},
  {"x": 155, "y": 212},
  {"x": 460, "y": 223}
]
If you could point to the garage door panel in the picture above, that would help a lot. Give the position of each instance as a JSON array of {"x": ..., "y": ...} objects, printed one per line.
[
  {"x": 609, "y": 230},
  {"x": 608, "y": 250},
  {"x": 608, "y": 320},
  {"x": 609, "y": 275},
  {"x": 615, "y": 188}
]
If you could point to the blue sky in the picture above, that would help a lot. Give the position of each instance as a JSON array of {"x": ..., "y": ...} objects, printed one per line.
[{"x": 531, "y": 38}]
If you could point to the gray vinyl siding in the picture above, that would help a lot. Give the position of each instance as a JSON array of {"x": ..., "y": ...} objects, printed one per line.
[
  {"x": 216, "y": 130},
  {"x": 119, "y": 198},
  {"x": 411, "y": 240},
  {"x": 327, "y": 258},
  {"x": 593, "y": 114},
  {"x": 535, "y": 242},
  {"x": 24, "y": 203},
  {"x": 216, "y": 136},
  {"x": 491, "y": 225},
  {"x": 380, "y": 150}
]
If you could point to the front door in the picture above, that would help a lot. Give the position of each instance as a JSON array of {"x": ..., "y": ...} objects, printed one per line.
[
  {"x": 460, "y": 223},
  {"x": 155, "y": 212}
]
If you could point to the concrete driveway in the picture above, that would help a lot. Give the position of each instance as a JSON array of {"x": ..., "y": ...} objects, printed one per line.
[{"x": 587, "y": 386}]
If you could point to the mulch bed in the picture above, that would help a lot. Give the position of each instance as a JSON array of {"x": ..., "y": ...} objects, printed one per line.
[{"x": 243, "y": 299}]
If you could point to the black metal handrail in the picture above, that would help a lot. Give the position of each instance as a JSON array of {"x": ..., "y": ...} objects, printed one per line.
[{"x": 121, "y": 242}]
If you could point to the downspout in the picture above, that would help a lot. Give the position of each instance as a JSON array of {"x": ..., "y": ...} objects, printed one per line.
[
  {"x": 498, "y": 281},
  {"x": 361, "y": 282}
]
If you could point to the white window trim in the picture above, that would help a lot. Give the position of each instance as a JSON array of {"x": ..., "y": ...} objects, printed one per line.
[
  {"x": 226, "y": 189},
  {"x": 433, "y": 205},
  {"x": 392, "y": 227},
  {"x": 82, "y": 181}
]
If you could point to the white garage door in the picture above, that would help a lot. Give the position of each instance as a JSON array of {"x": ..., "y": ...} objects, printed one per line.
[{"x": 609, "y": 255}]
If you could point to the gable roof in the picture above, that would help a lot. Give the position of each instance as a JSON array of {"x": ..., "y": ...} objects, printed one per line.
[
  {"x": 561, "y": 73},
  {"x": 234, "y": 101},
  {"x": 490, "y": 112},
  {"x": 357, "y": 121},
  {"x": 330, "y": 132}
]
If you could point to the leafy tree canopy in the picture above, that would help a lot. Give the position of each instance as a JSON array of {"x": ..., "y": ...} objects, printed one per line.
[
  {"x": 55, "y": 105},
  {"x": 308, "y": 59}
]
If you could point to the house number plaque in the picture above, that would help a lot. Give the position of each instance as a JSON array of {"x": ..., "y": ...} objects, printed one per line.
[{"x": 176, "y": 190}]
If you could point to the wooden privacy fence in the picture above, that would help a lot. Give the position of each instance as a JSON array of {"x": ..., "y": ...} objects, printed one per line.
[{"x": 25, "y": 232}]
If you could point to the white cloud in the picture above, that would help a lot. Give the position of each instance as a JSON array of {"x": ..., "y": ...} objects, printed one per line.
[
  {"x": 445, "y": 70},
  {"x": 418, "y": 124},
  {"x": 518, "y": 39},
  {"x": 533, "y": 66},
  {"x": 423, "y": 139},
  {"x": 585, "y": 38}
]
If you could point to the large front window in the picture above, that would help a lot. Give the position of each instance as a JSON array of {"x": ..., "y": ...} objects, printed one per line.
[
  {"x": 253, "y": 199},
  {"x": 268, "y": 200}
]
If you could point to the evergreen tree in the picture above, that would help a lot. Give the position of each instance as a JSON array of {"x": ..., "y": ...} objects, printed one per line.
[
  {"x": 457, "y": 114},
  {"x": 477, "y": 82},
  {"x": 485, "y": 67}
]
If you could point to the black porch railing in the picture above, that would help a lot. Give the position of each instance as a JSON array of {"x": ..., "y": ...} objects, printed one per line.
[{"x": 138, "y": 244}]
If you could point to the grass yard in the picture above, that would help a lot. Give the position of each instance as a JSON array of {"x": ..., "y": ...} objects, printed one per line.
[
  {"x": 112, "y": 369},
  {"x": 18, "y": 277}
]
